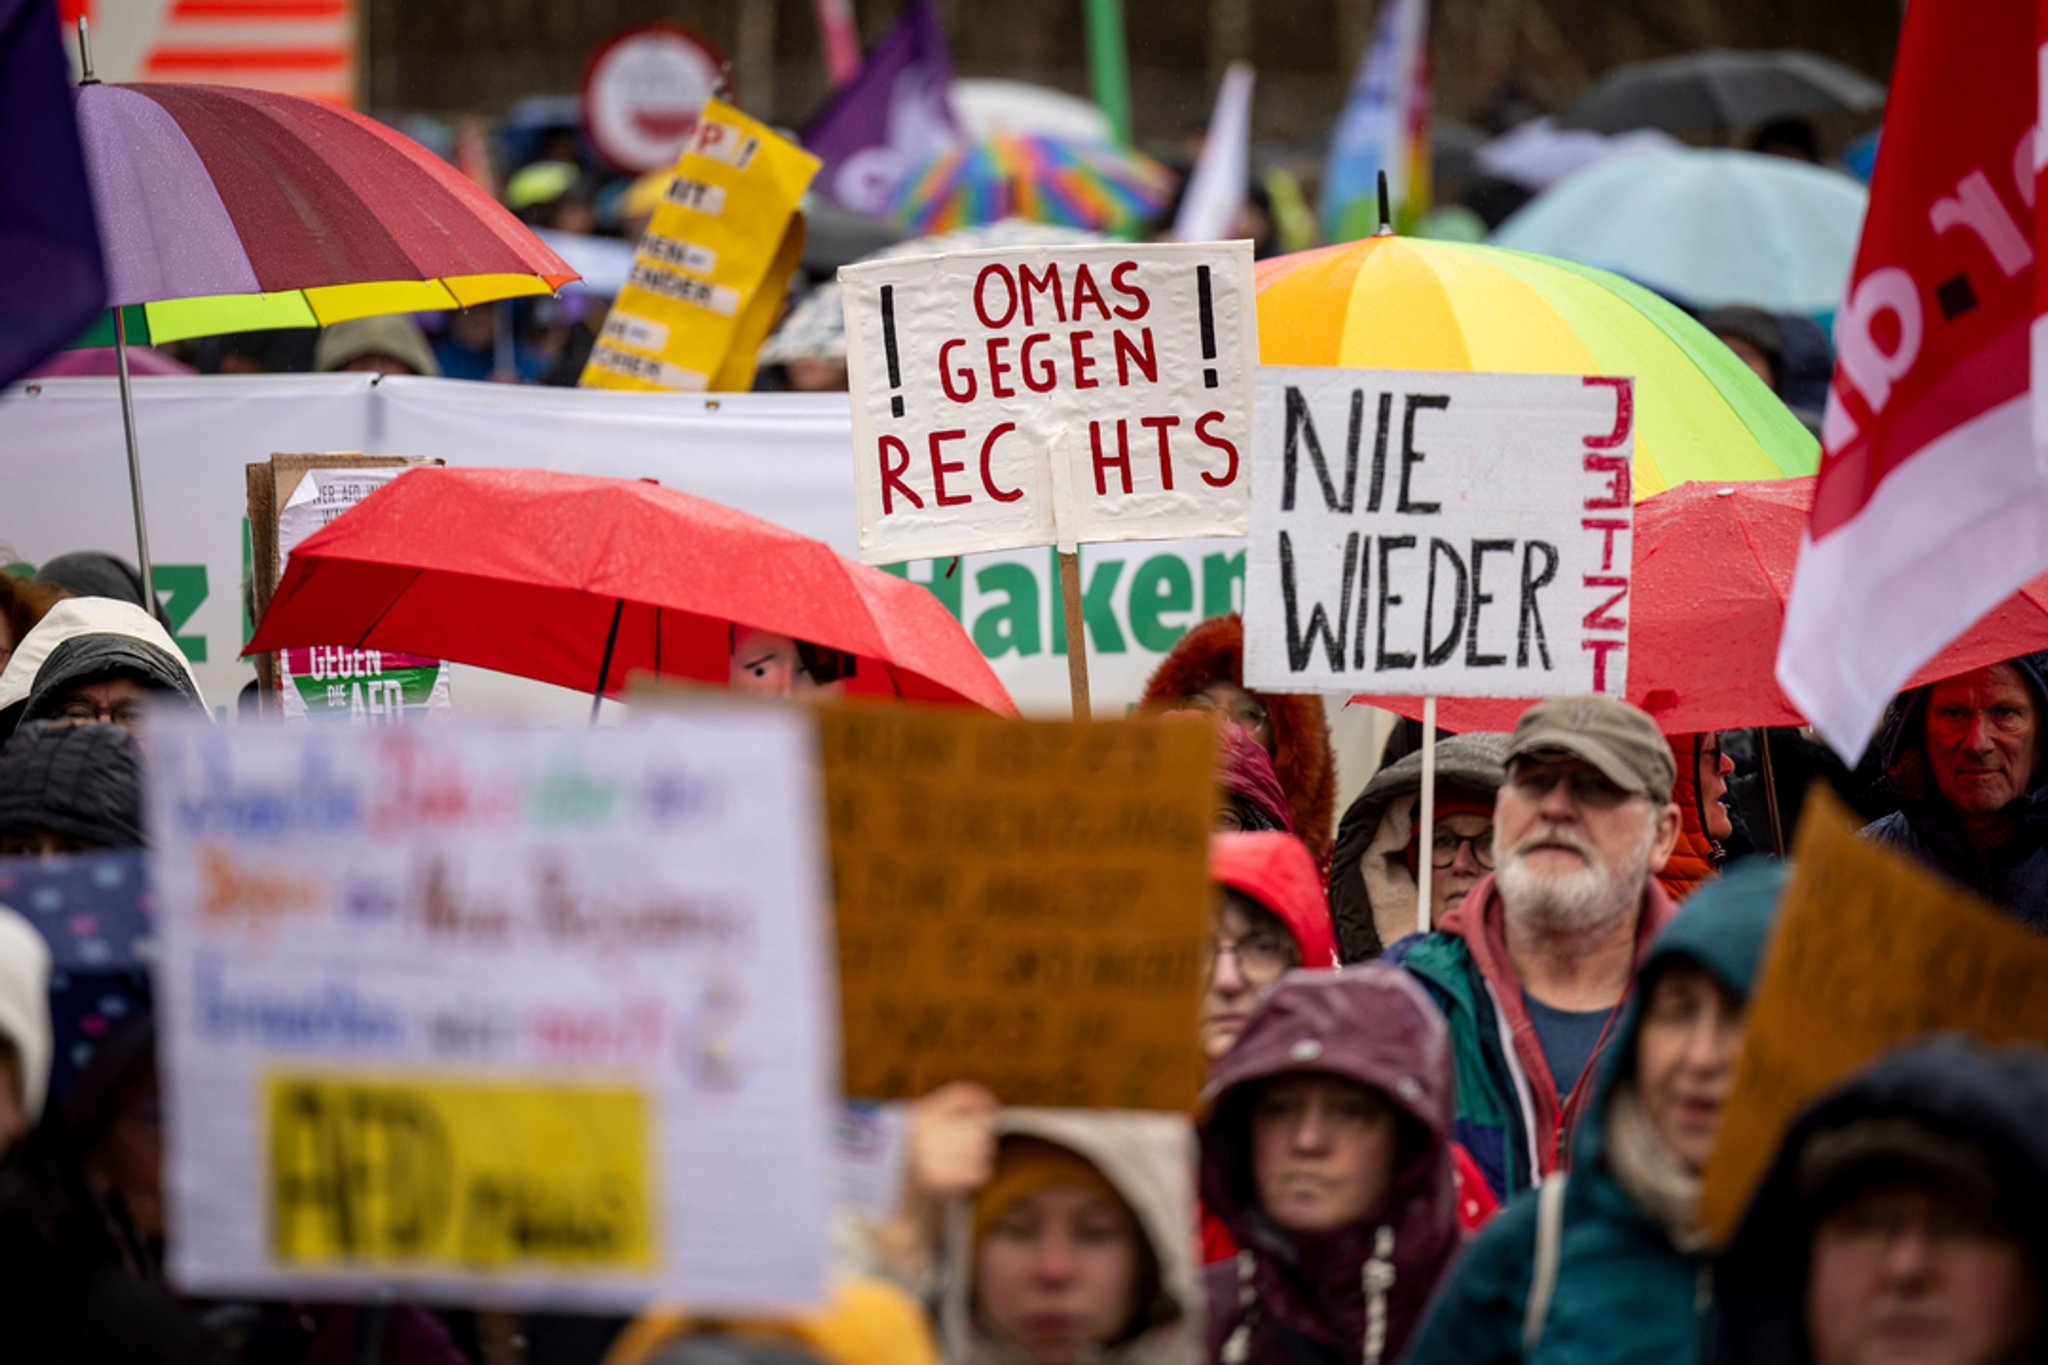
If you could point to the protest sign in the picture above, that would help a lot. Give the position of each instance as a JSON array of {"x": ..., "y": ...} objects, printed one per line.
[
  {"x": 1042, "y": 395},
  {"x": 708, "y": 277},
  {"x": 334, "y": 682},
  {"x": 499, "y": 1016},
  {"x": 1463, "y": 535},
  {"x": 1020, "y": 904},
  {"x": 1871, "y": 951}
]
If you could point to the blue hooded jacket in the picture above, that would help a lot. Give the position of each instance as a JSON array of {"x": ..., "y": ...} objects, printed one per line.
[{"x": 1625, "y": 1292}]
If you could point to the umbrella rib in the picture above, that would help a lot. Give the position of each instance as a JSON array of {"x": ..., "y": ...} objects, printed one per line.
[{"x": 363, "y": 640}]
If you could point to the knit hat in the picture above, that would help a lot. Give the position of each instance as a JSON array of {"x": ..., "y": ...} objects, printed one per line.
[
  {"x": 80, "y": 781},
  {"x": 1027, "y": 1165}
]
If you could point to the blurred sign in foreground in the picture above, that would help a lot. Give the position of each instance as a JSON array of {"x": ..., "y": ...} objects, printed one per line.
[
  {"x": 521, "y": 1017},
  {"x": 708, "y": 278},
  {"x": 1019, "y": 903},
  {"x": 1871, "y": 951}
]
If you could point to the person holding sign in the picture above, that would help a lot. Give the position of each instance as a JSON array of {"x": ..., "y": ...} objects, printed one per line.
[
  {"x": 1905, "y": 1220},
  {"x": 1964, "y": 756},
  {"x": 1326, "y": 1153},
  {"x": 1542, "y": 954},
  {"x": 1606, "y": 1264}
]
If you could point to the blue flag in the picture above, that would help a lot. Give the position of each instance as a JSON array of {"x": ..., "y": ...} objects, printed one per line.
[
  {"x": 894, "y": 117},
  {"x": 52, "y": 282}
]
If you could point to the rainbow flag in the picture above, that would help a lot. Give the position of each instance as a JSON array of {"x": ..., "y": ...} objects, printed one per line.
[{"x": 1384, "y": 127}]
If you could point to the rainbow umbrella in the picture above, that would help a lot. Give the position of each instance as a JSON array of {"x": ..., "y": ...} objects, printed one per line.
[
  {"x": 227, "y": 210},
  {"x": 1398, "y": 303},
  {"x": 1067, "y": 182}
]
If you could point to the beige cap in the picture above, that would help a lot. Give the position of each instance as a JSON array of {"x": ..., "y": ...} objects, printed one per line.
[{"x": 1619, "y": 739}]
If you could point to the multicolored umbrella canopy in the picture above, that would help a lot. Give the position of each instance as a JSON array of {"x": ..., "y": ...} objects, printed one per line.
[
  {"x": 1400, "y": 304},
  {"x": 1046, "y": 179},
  {"x": 225, "y": 210}
]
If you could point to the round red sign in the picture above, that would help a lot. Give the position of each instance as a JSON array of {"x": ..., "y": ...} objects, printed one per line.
[{"x": 642, "y": 92}]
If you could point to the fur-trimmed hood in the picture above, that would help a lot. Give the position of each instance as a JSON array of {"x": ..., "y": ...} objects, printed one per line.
[
  {"x": 1372, "y": 892},
  {"x": 1302, "y": 756}
]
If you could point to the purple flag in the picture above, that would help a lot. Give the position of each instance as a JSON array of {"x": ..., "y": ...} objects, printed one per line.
[
  {"x": 893, "y": 118},
  {"x": 51, "y": 280}
]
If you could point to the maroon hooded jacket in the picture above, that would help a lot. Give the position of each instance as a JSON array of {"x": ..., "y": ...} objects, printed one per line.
[{"x": 1295, "y": 1296}]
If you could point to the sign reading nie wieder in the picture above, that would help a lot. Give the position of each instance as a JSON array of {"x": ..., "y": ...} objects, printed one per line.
[{"x": 1463, "y": 535}]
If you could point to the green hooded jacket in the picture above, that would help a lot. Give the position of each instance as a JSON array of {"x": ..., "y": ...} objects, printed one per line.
[{"x": 1625, "y": 1292}]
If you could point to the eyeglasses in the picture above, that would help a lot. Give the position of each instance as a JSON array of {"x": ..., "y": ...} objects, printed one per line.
[
  {"x": 127, "y": 714},
  {"x": 1444, "y": 848},
  {"x": 1247, "y": 713},
  {"x": 1587, "y": 786},
  {"x": 1260, "y": 957},
  {"x": 1873, "y": 1224}
]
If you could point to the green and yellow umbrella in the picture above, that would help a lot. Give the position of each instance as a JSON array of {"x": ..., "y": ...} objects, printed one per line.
[{"x": 1399, "y": 303}]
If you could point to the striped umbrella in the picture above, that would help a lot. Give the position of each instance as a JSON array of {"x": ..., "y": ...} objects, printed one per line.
[
  {"x": 1397, "y": 303},
  {"x": 1063, "y": 181},
  {"x": 229, "y": 210}
]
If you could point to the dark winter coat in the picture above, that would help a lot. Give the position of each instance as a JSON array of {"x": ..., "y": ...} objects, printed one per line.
[
  {"x": 81, "y": 781},
  {"x": 1372, "y": 892},
  {"x": 1996, "y": 1099},
  {"x": 2015, "y": 876},
  {"x": 1302, "y": 756},
  {"x": 1626, "y": 1293},
  {"x": 1310, "y": 1299}
]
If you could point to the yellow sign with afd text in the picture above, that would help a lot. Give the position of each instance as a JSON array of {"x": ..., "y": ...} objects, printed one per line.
[{"x": 708, "y": 278}]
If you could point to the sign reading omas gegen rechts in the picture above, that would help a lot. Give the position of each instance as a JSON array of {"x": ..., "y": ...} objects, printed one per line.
[
  {"x": 1042, "y": 395},
  {"x": 1465, "y": 535}
]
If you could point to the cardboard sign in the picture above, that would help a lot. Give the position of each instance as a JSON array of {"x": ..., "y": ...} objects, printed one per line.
[
  {"x": 368, "y": 686},
  {"x": 1456, "y": 535},
  {"x": 708, "y": 278},
  {"x": 1872, "y": 950},
  {"x": 1042, "y": 395},
  {"x": 1020, "y": 904},
  {"x": 499, "y": 1016}
]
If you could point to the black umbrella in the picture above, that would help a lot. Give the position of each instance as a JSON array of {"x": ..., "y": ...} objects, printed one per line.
[{"x": 1716, "y": 91}]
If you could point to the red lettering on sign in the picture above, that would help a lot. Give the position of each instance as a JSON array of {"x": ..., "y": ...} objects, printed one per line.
[
  {"x": 1615, "y": 468},
  {"x": 1162, "y": 425},
  {"x": 1202, "y": 425},
  {"x": 941, "y": 468},
  {"x": 987, "y": 479},
  {"x": 1607, "y": 526},
  {"x": 1121, "y": 462},
  {"x": 947, "y": 374},
  {"x": 1117, "y": 281},
  {"x": 892, "y": 475}
]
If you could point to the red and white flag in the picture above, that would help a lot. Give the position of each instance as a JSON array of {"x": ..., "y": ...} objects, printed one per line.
[{"x": 1932, "y": 504}]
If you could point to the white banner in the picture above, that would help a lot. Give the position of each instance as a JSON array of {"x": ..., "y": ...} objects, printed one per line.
[
  {"x": 532, "y": 1017},
  {"x": 779, "y": 456},
  {"x": 1036, "y": 395},
  {"x": 1458, "y": 535}
]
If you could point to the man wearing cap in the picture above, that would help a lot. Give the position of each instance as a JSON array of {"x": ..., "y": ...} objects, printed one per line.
[{"x": 1533, "y": 967}]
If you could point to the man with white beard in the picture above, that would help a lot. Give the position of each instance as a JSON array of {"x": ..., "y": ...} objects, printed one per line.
[{"x": 1534, "y": 967}]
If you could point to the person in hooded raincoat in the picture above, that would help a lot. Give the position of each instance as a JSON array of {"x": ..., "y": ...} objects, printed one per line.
[
  {"x": 1372, "y": 872},
  {"x": 1205, "y": 671},
  {"x": 1965, "y": 757},
  {"x": 1700, "y": 792},
  {"x": 1251, "y": 798},
  {"x": 94, "y": 658},
  {"x": 1630, "y": 1263},
  {"x": 1904, "y": 1218},
  {"x": 1271, "y": 919},
  {"x": 1326, "y": 1152}
]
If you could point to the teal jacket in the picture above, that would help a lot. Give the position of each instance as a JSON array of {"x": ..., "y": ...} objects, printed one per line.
[{"x": 1625, "y": 1294}]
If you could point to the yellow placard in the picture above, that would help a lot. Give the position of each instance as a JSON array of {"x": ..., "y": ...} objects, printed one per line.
[
  {"x": 1871, "y": 951},
  {"x": 709, "y": 275},
  {"x": 423, "y": 1173},
  {"x": 1019, "y": 903}
]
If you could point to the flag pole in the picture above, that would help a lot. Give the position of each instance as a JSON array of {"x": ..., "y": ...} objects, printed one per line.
[
  {"x": 1109, "y": 70},
  {"x": 1076, "y": 630}
]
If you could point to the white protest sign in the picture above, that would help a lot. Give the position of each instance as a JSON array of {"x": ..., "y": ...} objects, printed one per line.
[
  {"x": 1458, "y": 535},
  {"x": 498, "y": 1016},
  {"x": 1041, "y": 395}
]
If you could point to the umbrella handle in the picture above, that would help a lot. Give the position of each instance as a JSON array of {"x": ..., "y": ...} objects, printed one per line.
[{"x": 604, "y": 669}]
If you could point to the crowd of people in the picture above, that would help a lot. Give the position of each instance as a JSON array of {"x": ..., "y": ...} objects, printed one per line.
[{"x": 1483, "y": 1140}]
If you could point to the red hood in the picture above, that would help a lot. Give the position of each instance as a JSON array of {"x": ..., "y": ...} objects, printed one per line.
[{"x": 1276, "y": 871}]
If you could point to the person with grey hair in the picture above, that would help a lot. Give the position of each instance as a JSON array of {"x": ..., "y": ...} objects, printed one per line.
[{"x": 1534, "y": 966}]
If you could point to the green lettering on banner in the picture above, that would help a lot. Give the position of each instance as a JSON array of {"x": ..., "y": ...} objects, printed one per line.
[
  {"x": 180, "y": 588},
  {"x": 1098, "y": 608},
  {"x": 1222, "y": 584},
  {"x": 1011, "y": 627},
  {"x": 1161, "y": 584}
]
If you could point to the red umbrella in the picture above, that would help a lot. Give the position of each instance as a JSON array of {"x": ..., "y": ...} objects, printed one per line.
[
  {"x": 1713, "y": 563},
  {"x": 585, "y": 581}
]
